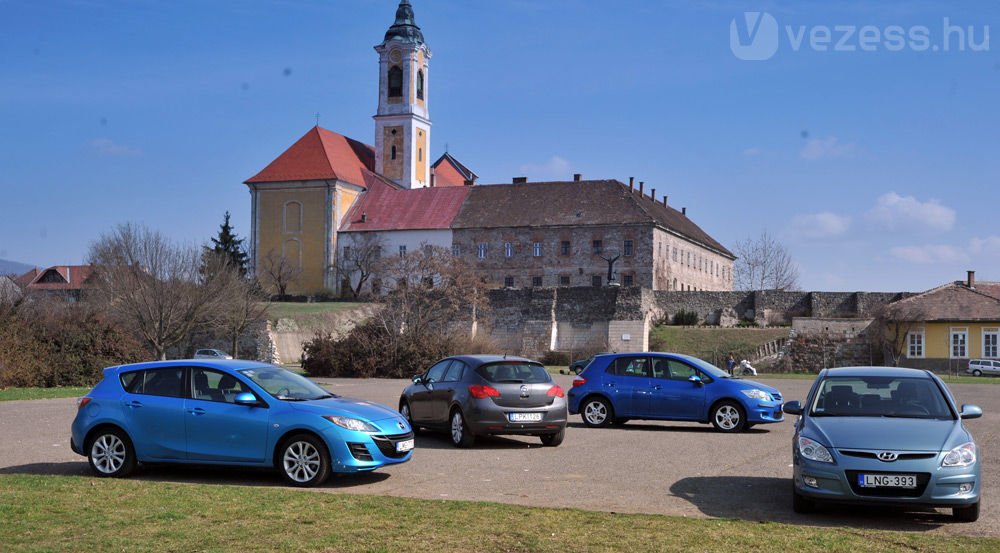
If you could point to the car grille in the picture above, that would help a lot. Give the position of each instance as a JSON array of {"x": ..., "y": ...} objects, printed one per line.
[
  {"x": 922, "y": 479},
  {"x": 874, "y": 455},
  {"x": 360, "y": 451},
  {"x": 387, "y": 444}
]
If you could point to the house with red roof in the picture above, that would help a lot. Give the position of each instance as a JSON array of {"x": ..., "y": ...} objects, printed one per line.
[
  {"x": 68, "y": 281},
  {"x": 327, "y": 197}
]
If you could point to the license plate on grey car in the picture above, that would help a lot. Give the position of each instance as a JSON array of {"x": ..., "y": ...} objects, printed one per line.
[
  {"x": 524, "y": 417},
  {"x": 887, "y": 480}
]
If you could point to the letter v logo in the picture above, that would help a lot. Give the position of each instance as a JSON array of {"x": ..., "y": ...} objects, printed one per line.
[{"x": 755, "y": 38}]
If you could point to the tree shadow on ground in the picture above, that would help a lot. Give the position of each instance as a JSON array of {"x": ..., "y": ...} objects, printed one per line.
[{"x": 770, "y": 500}]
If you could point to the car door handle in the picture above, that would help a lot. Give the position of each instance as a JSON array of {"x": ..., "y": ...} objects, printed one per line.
[
  {"x": 134, "y": 404},
  {"x": 657, "y": 387},
  {"x": 611, "y": 384},
  {"x": 197, "y": 411}
]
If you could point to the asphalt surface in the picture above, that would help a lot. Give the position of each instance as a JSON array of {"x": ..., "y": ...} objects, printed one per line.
[{"x": 682, "y": 469}]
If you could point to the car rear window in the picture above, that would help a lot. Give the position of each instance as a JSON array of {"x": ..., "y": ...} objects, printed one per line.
[{"x": 514, "y": 372}]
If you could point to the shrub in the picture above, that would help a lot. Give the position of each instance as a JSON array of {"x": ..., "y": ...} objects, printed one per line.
[{"x": 685, "y": 318}]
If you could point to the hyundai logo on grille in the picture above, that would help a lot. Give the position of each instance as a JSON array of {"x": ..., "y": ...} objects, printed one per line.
[
  {"x": 887, "y": 456},
  {"x": 524, "y": 391}
]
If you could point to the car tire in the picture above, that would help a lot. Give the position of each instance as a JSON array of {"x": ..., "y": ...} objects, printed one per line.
[
  {"x": 459, "y": 431},
  {"x": 553, "y": 440},
  {"x": 800, "y": 504},
  {"x": 111, "y": 454},
  {"x": 728, "y": 416},
  {"x": 304, "y": 461},
  {"x": 597, "y": 412},
  {"x": 969, "y": 513},
  {"x": 977, "y": 372},
  {"x": 404, "y": 409}
]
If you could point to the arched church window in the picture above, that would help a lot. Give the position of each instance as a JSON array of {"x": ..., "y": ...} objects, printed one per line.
[
  {"x": 395, "y": 82},
  {"x": 392, "y": 154},
  {"x": 420, "y": 84}
]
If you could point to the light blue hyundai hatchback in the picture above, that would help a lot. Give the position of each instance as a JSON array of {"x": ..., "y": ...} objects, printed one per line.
[
  {"x": 233, "y": 413},
  {"x": 884, "y": 436}
]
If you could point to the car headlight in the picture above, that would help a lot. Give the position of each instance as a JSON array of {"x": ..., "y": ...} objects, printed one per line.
[
  {"x": 962, "y": 456},
  {"x": 814, "y": 451},
  {"x": 357, "y": 425},
  {"x": 757, "y": 394}
]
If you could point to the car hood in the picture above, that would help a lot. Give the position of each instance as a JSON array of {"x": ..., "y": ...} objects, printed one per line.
[
  {"x": 741, "y": 384},
  {"x": 886, "y": 433},
  {"x": 347, "y": 407}
]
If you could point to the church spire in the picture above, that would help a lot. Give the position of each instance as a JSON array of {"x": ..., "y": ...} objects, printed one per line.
[{"x": 405, "y": 28}]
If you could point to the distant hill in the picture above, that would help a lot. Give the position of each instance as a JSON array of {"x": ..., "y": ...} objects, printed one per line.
[{"x": 14, "y": 268}]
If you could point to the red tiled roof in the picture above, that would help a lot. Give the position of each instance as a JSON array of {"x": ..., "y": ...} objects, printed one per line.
[
  {"x": 384, "y": 206},
  {"x": 954, "y": 301},
  {"x": 320, "y": 154},
  {"x": 26, "y": 278},
  {"x": 72, "y": 277},
  {"x": 448, "y": 171}
]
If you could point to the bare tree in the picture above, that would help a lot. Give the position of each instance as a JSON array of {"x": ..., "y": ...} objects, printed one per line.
[
  {"x": 764, "y": 264},
  {"x": 152, "y": 285},
  {"x": 360, "y": 258},
  {"x": 891, "y": 327},
  {"x": 279, "y": 272},
  {"x": 241, "y": 302}
]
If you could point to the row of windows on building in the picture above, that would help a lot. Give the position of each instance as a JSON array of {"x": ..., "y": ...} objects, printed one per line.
[
  {"x": 537, "y": 249},
  {"x": 510, "y": 281},
  {"x": 958, "y": 341}
]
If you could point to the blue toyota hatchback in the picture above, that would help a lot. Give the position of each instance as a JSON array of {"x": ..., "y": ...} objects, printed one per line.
[
  {"x": 233, "y": 413},
  {"x": 667, "y": 386}
]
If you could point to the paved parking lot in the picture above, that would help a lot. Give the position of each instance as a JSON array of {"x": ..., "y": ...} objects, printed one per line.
[{"x": 661, "y": 468}]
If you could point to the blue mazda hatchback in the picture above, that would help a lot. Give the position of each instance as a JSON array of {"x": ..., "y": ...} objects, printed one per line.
[
  {"x": 667, "y": 386},
  {"x": 233, "y": 413}
]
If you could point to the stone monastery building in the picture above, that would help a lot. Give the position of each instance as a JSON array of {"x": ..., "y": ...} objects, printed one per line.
[{"x": 328, "y": 192}]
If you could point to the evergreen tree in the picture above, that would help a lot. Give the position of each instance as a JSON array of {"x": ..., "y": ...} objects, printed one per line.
[{"x": 230, "y": 246}]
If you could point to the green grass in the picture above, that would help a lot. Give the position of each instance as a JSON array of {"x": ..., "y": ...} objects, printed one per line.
[
  {"x": 287, "y": 310},
  {"x": 713, "y": 343},
  {"x": 10, "y": 394},
  {"x": 62, "y": 513}
]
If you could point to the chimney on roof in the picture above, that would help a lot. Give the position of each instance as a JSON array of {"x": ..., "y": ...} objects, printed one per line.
[
  {"x": 364, "y": 216},
  {"x": 684, "y": 211},
  {"x": 972, "y": 279},
  {"x": 577, "y": 177},
  {"x": 432, "y": 180},
  {"x": 652, "y": 194},
  {"x": 520, "y": 180},
  {"x": 631, "y": 184},
  {"x": 664, "y": 200},
  {"x": 641, "y": 183},
  {"x": 70, "y": 269}
]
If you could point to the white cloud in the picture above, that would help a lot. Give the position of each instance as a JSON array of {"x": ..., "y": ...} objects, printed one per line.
[
  {"x": 556, "y": 168},
  {"x": 752, "y": 152},
  {"x": 825, "y": 148},
  {"x": 820, "y": 225},
  {"x": 906, "y": 213},
  {"x": 930, "y": 254},
  {"x": 985, "y": 246},
  {"x": 107, "y": 147}
]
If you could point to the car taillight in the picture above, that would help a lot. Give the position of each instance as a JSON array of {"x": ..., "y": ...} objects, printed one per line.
[
  {"x": 82, "y": 402},
  {"x": 482, "y": 392},
  {"x": 579, "y": 381},
  {"x": 555, "y": 391}
]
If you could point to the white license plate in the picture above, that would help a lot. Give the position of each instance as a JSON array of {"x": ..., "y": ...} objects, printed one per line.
[
  {"x": 525, "y": 417},
  {"x": 887, "y": 481},
  {"x": 405, "y": 445}
]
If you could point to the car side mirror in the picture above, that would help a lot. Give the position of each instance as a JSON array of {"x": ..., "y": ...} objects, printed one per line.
[
  {"x": 246, "y": 398},
  {"x": 695, "y": 379},
  {"x": 971, "y": 412},
  {"x": 792, "y": 408},
  {"x": 417, "y": 379}
]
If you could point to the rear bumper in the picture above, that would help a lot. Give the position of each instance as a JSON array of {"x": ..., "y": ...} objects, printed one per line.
[
  {"x": 484, "y": 417},
  {"x": 76, "y": 449}
]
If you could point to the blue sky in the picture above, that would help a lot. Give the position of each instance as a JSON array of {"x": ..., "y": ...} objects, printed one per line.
[{"x": 878, "y": 167}]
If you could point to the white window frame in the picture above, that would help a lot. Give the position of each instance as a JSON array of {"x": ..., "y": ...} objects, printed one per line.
[
  {"x": 922, "y": 345},
  {"x": 508, "y": 249},
  {"x": 456, "y": 250},
  {"x": 402, "y": 250},
  {"x": 995, "y": 333},
  {"x": 536, "y": 249},
  {"x": 958, "y": 331},
  {"x": 481, "y": 251}
]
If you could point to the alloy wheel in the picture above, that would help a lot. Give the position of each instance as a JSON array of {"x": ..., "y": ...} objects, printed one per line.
[
  {"x": 108, "y": 453},
  {"x": 596, "y": 413},
  {"x": 301, "y": 461},
  {"x": 727, "y": 417}
]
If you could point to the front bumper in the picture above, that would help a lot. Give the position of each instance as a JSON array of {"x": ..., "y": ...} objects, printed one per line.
[
  {"x": 763, "y": 412},
  {"x": 936, "y": 486},
  {"x": 352, "y": 451}
]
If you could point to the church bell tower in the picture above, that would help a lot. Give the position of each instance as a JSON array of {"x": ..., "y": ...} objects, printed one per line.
[{"x": 402, "y": 123}]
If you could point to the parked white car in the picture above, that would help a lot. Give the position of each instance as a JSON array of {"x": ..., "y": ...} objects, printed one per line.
[
  {"x": 211, "y": 354},
  {"x": 979, "y": 367}
]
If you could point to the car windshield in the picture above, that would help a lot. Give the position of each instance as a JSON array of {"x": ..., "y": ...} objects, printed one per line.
[
  {"x": 708, "y": 368},
  {"x": 285, "y": 385},
  {"x": 514, "y": 373},
  {"x": 880, "y": 396}
]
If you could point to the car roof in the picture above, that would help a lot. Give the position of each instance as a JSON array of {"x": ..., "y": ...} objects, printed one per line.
[
  {"x": 224, "y": 364},
  {"x": 877, "y": 371},
  {"x": 476, "y": 360}
]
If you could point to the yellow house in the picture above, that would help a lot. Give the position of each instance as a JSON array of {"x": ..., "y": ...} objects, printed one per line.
[{"x": 943, "y": 328}]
